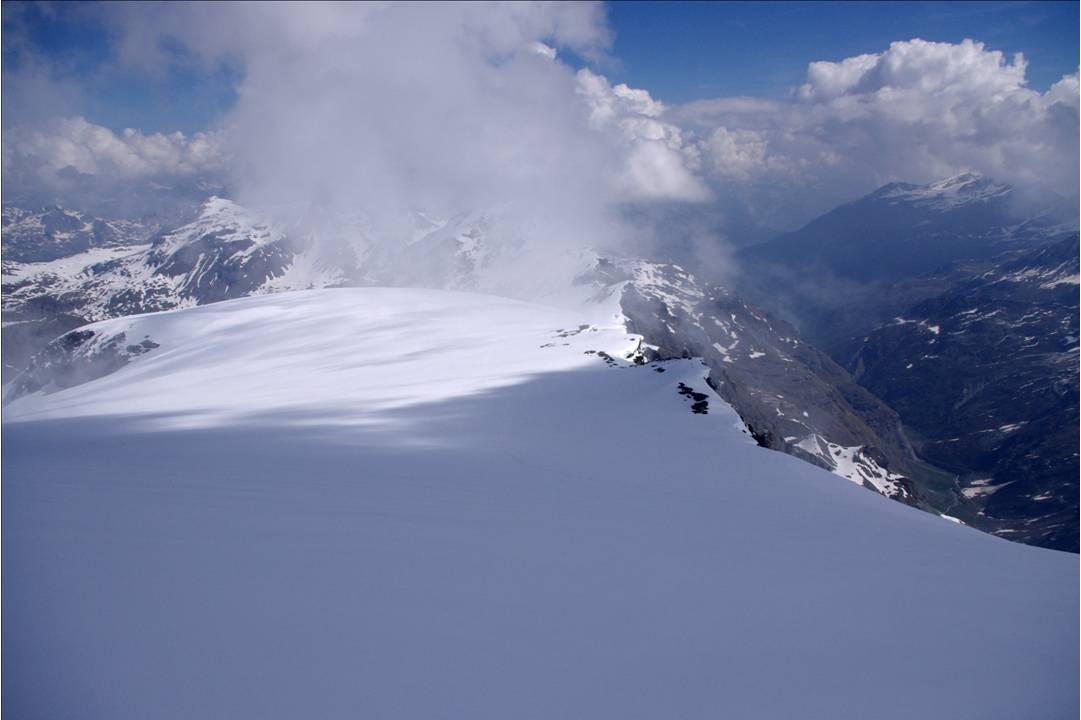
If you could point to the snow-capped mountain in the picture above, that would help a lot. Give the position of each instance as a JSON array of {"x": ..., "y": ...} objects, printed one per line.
[
  {"x": 52, "y": 233},
  {"x": 794, "y": 399},
  {"x": 415, "y": 503},
  {"x": 44, "y": 249},
  {"x": 955, "y": 308},
  {"x": 224, "y": 253},
  {"x": 228, "y": 251},
  {"x": 945, "y": 195},
  {"x": 903, "y": 229},
  {"x": 986, "y": 373}
]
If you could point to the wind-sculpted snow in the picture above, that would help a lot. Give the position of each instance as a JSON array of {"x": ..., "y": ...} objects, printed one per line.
[
  {"x": 402, "y": 503},
  {"x": 346, "y": 353}
]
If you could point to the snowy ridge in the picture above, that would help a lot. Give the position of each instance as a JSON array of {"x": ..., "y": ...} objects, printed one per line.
[
  {"x": 678, "y": 289},
  {"x": 1063, "y": 274},
  {"x": 948, "y": 194},
  {"x": 331, "y": 322},
  {"x": 782, "y": 388},
  {"x": 450, "y": 504},
  {"x": 226, "y": 221}
]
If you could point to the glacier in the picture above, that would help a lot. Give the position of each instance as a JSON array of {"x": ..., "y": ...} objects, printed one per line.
[{"x": 416, "y": 503}]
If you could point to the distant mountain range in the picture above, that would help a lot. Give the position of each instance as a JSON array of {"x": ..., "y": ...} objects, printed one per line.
[
  {"x": 831, "y": 392},
  {"x": 902, "y": 230},
  {"x": 960, "y": 312}
]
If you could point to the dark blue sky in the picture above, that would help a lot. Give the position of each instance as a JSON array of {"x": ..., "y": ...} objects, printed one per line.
[
  {"x": 682, "y": 51},
  {"x": 679, "y": 51}
]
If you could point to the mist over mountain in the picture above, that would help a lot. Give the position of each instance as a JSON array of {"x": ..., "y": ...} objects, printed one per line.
[
  {"x": 407, "y": 359},
  {"x": 872, "y": 428},
  {"x": 454, "y": 109},
  {"x": 488, "y": 151}
]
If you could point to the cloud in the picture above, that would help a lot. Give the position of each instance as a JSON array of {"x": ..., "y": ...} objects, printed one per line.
[
  {"x": 43, "y": 154},
  {"x": 736, "y": 153},
  {"x": 659, "y": 165},
  {"x": 828, "y": 79},
  {"x": 543, "y": 50},
  {"x": 1064, "y": 93},
  {"x": 444, "y": 106},
  {"x": 377, "y": 109},
  {"x": 919, "y": 111}
]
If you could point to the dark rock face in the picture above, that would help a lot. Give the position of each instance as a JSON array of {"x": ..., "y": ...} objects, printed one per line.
[
  {"x": 28, "y": 332},
  {"x": 986, "y": 373},
  {"x": 699, "y": 401},
  {"x": 793, "y": 398},
  {"x": 72, "y": 359}
]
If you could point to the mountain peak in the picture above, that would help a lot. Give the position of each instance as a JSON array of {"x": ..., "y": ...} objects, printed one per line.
[
  {"x": 947, "y": 194},
  {"x": 962, "y": 179},
  {"x": 966, "y": 182},
  {"x": 217, "y": 204}
]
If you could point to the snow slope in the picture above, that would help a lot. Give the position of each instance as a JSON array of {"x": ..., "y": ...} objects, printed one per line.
[
  {"x": 66, "y": 269},
  {"x": 947, "y": 194},
  {"x": 404, "y": 503}
]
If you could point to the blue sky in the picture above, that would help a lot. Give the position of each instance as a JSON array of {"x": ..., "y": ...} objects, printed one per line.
[
  {"x": 679, "y": 51},
  {"x": 75, "y": 42},
  {"x": 682, "y": 51},
  {"x": 405, "y": 102}
]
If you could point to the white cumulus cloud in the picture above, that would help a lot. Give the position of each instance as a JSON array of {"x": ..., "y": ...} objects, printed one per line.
[
  {"x": 75, "y": 145},
  {"x": 659, "y": 164},
  {"x": 446, "y": 107},
  {"x": 919, "y": 111}
]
